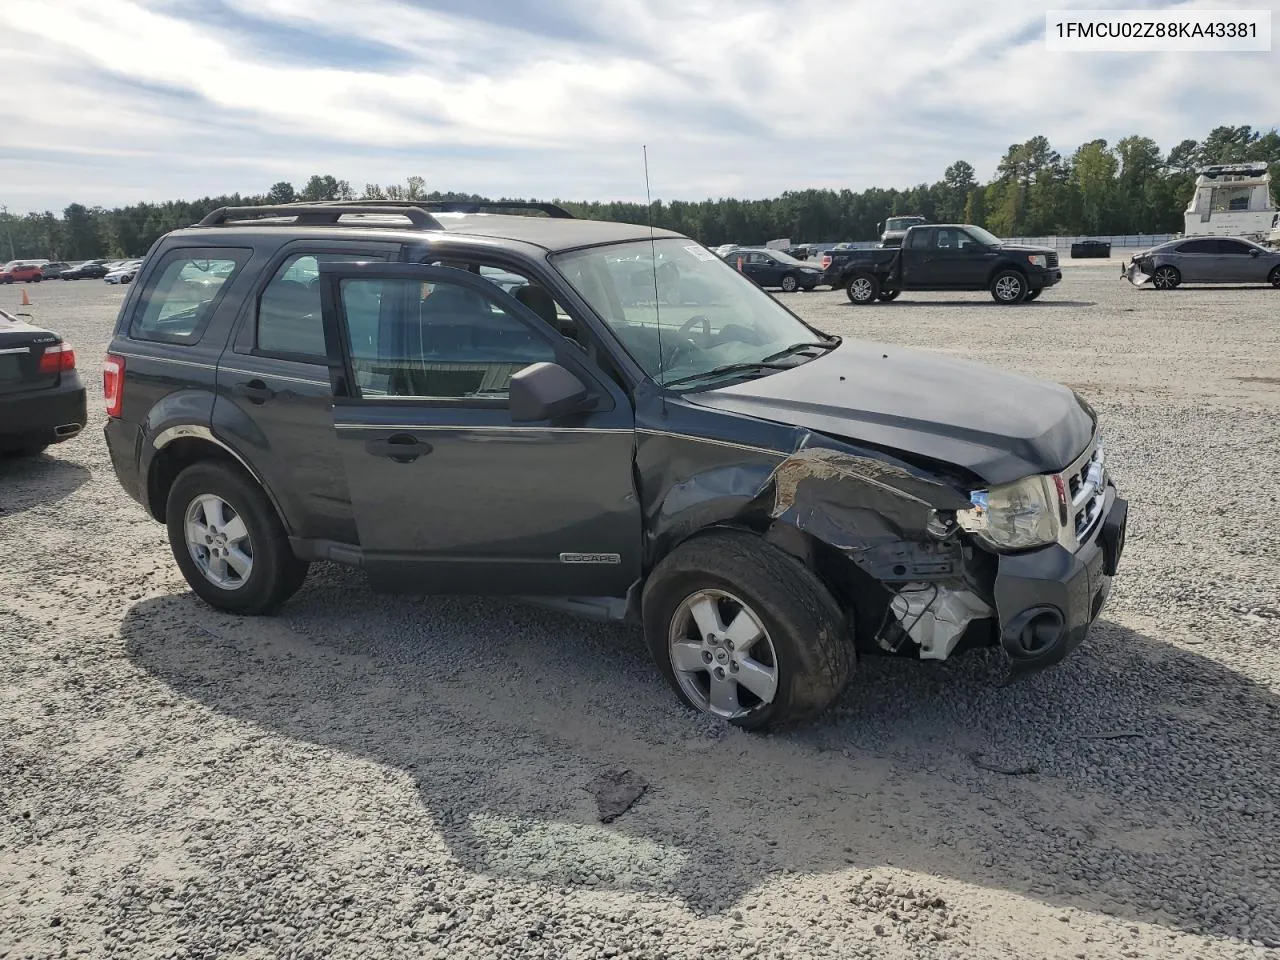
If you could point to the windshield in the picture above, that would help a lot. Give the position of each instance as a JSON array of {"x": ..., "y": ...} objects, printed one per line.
[
  {"x": 895, "y": 223},
  {"x": 983, "y": 236},
  {"x": 782, "y": 257},
  {"x": 705, "y": 315}
]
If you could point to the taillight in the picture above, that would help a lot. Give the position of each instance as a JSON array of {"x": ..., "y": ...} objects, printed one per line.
[
  {"x": 56, "y": 359},
  {"x": 826, "y": 260},
  {"x": 113, "y": 383}
]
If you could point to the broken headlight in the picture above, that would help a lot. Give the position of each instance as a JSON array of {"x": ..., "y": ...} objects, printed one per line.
[{"x": 1014, "y": 516}]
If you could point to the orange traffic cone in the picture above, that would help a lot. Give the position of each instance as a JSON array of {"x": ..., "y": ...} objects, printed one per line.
[{"x": 26, "y": 300}]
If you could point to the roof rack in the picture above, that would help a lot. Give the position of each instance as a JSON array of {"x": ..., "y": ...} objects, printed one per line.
[
  {"x": 555, "y": 211},
  {"x": 321, "y": 214}
]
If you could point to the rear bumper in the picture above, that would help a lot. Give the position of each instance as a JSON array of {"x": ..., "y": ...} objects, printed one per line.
[
  {"x": 1048, "y": 599},
  {"x": 122, "y": 443},
  {"x": 44, "y": 416}
]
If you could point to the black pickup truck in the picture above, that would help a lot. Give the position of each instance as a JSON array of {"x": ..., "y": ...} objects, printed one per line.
[{"x": 943, "y": 257}]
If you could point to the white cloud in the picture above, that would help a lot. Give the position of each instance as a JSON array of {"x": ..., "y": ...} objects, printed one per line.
[{"x": 139, "y": 100}]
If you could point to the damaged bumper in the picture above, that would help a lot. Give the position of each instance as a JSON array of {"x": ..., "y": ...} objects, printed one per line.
[
  {"x": 1047, "y": 599},
  {"x": 1134, "y": 273}
]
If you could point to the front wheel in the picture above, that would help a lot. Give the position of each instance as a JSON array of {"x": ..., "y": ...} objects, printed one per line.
[
  {"x": 1274, "y": 278},
  {"x": 789, "y": 283},
  {"x": 1032, "y": 294},
  {"x": 1008, "y": 286},
  {"x": 229, "y": 542},
  {"x": 862, "y": 289},
  {"x": 745, "y": 632},
  {"x": 1166, "y": 278}
]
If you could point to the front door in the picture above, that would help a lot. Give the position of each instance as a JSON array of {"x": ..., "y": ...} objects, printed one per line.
[
  {"x": 1237, "y": 263},
  {"x": 450, "y": 494},
  {"x": 959, "y": 260}
]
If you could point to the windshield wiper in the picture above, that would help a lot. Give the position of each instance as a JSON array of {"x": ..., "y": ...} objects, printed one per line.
[
  {"x": 796, "y": 347},
  {"x": 730, "y": 368}
]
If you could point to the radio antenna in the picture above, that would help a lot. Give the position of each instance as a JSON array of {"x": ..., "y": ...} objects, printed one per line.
[{"x": 653, "y": 259}]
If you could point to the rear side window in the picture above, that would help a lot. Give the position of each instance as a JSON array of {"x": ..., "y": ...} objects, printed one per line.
[
  {"x": 289, "y": 322},
  {"x": 183, "y": 292}
]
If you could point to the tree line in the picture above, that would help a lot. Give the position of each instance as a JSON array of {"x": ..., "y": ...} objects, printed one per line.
[{"x": 1098, "y": 189}]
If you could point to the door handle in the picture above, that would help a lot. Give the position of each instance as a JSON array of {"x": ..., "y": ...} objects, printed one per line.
[
  {"x": 400, "y": 447},
  {"x": 255, "y": 391}
]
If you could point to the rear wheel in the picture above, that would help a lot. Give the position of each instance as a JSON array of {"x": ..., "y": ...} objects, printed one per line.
[
  {"x": 228, "y": 541},
  {"x": 789, "y": 283},
  {"x": 1166, "y": 278},
  {"x": 1008, "y": 286},
  {"x": 889, "y": 295},
  {"x": 745, "y": 632},
  {"x": 862, "y": 288}
]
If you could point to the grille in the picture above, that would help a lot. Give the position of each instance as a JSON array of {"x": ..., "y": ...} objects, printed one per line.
[
  {"x": 1085, "y": 483},
  {"x": 1053, "y": 259}
]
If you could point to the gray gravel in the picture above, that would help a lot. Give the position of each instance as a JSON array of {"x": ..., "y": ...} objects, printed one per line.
[{"x": 370, "y": 777}]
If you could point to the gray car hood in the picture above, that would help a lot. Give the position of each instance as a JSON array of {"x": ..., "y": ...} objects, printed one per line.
[{"x": 999, "y": 426}]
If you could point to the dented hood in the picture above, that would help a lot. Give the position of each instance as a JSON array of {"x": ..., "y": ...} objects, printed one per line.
[{"x": 999, "y": 426}]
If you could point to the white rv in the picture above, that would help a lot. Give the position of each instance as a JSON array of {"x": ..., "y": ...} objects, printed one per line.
[{"x": 1232, "y": 200}]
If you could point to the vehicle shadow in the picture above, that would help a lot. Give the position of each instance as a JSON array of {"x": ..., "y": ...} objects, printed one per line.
[
  {"x": 27, "y": 482},
  {"x": 991, "y": 304},
  {"x": 1124, "y": 767}
]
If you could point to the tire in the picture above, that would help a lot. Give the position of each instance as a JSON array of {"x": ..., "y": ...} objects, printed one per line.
[
  {"x": 274, "y": 574},
  {"x": 805, "y": 642},
  {"x": 887, "y": 296},
  {"x": 862, "y": 289},
  {"x": 1274, "y": 278},
  {"x": 1009, "y": 287},
  {"x": 1166, "y": 277},
  {"x": 1032, "y": 294},
  {"x": 789, "y": 283}
]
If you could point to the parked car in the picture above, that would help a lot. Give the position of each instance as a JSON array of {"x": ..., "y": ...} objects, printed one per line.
[
  {"x": 775, "y": 268},
  {"x": 53, "y": 269},
  {"x": 1204, "y": 260},
  {"x": 944, "y": 257},
  {"x": 1085, "y": 249},
  {"x": 42, "y": 400},
  {"x": 767, "y": 501},
  {"x": 123, "y": 273},
  {"x": 895, "y": 229},
  {"x": 23, "y": 271},
  {"x": 87, "y": 270}
]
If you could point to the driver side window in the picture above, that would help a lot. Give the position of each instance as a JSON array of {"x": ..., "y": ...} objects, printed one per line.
[{"x": 437, "y": 340}]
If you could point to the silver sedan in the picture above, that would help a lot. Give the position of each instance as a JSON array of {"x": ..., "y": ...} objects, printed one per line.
[{"x": 1204, "y": 260}]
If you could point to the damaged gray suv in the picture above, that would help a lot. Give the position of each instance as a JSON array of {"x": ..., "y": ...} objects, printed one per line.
[{"x": 503, "y": 399}]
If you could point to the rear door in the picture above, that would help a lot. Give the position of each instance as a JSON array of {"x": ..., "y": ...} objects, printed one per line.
[
  {"x": 274, "y": 395},
  {"x": 1237, "y": 263},
  {"x": 451, "y": 495}
]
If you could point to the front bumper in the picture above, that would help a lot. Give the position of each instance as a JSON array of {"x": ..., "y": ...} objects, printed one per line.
[
  {"x": 1047, "y": 599},
  {"x": 44, "y": 416},
  {"x": 1046, "y": 278}
]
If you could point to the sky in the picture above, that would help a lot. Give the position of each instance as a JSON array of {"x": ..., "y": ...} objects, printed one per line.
[{"x": 109, "y": 102}]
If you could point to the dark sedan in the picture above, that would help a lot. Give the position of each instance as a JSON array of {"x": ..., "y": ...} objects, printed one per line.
[
  {"x": 42, "y": 400},
  {"x": 1204, "y": 260},
  {"x": 89, "y": 270},
  {"x": 773, "y": 268}
]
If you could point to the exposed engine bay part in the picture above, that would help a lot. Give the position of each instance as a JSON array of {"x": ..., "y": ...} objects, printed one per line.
[{"x": 935, "y": 616}]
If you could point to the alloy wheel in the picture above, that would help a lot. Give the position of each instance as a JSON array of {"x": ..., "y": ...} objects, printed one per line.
[
  {"x": 722, "y": 656},
  {"x": 219, "y": 542}
]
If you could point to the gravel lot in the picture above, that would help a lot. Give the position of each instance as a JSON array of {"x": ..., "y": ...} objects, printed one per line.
[{"x": 363, "y": 777}]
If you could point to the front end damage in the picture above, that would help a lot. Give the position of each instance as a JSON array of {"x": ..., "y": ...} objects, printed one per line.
[
  {"x": 919, "y": 584},
  {"x": 1138, "y": 270}
]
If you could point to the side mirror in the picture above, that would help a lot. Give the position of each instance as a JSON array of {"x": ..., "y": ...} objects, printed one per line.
[
  {"x": 544, "y": 391},
  {"x": 1255, "y": 252}
]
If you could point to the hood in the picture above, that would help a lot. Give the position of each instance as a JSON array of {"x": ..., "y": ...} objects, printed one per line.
[
  {"x": 1022, "y": 248},
  {"x": 998, "y": 426}
]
